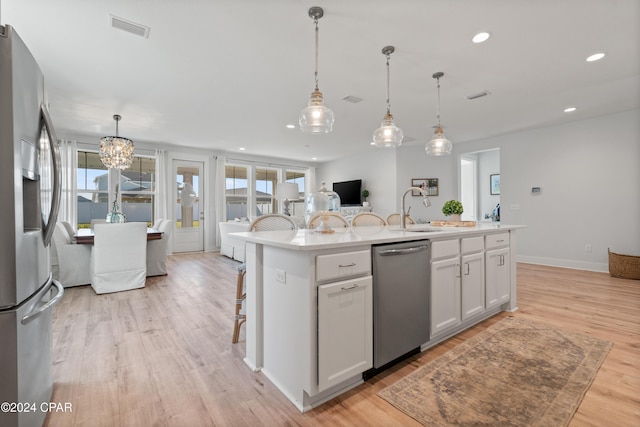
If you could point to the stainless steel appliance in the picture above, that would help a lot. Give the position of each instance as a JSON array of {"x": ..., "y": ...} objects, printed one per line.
[
  {"x": 30, "y": 194},
  {"x": 401, "y": 302}
]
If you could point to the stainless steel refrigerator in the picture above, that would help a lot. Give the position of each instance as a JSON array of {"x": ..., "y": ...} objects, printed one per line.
[{"x": 29, "y": 200}]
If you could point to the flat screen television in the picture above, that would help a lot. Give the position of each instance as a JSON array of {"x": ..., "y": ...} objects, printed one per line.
[{"x": 350, "y": 192}]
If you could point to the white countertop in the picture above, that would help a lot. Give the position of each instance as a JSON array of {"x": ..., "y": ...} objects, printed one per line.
[{"x": 306, "y": 240}]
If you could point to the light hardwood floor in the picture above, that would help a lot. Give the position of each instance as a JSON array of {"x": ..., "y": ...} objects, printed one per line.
[{"x": 162, "y": 355}]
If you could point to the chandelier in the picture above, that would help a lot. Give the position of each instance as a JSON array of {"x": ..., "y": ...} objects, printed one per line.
[
  {"x": 316, "y": 117},
  {"x": 388, "y": 135},
  {"x": 116, "y": 152},
  {"x": 439, "y": 145}
]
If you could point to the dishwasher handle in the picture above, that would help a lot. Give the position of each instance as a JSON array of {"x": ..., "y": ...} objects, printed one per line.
[{"x": 404, "y": 251}]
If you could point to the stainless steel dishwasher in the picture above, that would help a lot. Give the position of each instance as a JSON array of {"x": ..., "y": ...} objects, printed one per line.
[{"x": 401, "y": 293}]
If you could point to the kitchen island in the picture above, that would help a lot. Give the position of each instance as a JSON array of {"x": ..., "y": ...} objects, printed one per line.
[{"x": 309, "y": 304}]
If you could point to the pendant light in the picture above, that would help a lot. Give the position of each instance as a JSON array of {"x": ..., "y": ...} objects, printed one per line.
[
  {"x": 388, "y": 135},
  {"x": 315, "y": 117},
  {"x": 439, "y": 145},
  {"x": 116, "y": 152}
]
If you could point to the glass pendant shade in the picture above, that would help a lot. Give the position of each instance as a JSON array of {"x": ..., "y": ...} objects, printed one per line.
[
  {"x": 316, "y": 117},
  {"x": 388, "y": 135},
  {"x": 116, "y": 152},
  {"x": 439, "y": 145}
]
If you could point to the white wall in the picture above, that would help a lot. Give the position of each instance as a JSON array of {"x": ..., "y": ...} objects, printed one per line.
[
  {"x": 589, "y": 176},
  {"x": 414, "y": 163},
  {"x": 376, "y": 168}
]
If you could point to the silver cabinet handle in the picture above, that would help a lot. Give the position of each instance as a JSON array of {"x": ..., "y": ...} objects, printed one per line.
[
  {"x": 354, "y": 286},
  {"x": 353, "y": 264},
  {"x": 500, "y": 241},
  {"x": 458, "y": 270},
  {"x": 403, "y": 251},
  {"x": 467, "y": 272}
]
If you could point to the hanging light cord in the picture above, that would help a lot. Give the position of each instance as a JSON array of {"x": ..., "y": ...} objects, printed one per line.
[
  {"x": 315, "y": 21},
  {"x": 438, "y": 116},
  {"x": 388, "y": 94}
]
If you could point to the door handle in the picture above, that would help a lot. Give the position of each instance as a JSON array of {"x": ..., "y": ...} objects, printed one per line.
[
  {"x": 57, "y": 174},
  {"x": 31, "y": 316}
]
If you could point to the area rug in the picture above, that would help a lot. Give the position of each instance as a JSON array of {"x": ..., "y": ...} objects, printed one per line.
[{"x": 515, "y": 373}]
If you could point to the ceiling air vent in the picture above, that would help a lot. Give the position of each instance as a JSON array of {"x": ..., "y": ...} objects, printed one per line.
[
  {"x": 477, "y": 95},
  {"x": 352, "y": 99},
  {"x": 129, "y": 27}
]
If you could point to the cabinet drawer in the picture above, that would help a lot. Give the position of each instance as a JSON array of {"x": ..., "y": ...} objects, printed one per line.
[
  {"x": 497, "y": 240},
  {"x": 445, "y": 249},
  {"x": 472, "y": 244},
  {"x": 346, "y": 264}
]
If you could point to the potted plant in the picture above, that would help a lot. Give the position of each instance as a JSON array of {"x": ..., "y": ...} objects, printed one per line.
[
  {"x": 365, "y": 194},
  {"x": 453, "y": 209}
]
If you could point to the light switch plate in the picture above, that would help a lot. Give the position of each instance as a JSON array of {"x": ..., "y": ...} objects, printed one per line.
[{"x": 281, "y": 276}]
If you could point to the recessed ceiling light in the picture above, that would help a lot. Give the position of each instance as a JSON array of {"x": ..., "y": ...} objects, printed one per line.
[
  {"x": 481, "y": 37},
  {"x": 570, "y": 109},
  {"x": 291, "y": 126},
  {"x": 595, "y": 57},
  {"x": 372, "y": 143},
  {"x": 314, "y": 158},
  {"x": 242, "y": 149}
]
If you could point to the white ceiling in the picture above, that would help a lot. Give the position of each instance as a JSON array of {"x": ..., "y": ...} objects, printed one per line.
[{"x": 224, "y": 74}]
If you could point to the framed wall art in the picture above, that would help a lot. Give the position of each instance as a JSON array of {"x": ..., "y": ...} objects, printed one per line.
[
  {"x": 428, "y": 185},
  {"x": 495, "y": 184}
]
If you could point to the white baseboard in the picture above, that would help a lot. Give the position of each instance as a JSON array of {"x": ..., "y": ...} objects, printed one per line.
[{"x": 566, "y": 263}]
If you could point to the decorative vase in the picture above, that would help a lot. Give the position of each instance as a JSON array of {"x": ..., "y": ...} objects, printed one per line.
[{"x": 454, "y": 218}]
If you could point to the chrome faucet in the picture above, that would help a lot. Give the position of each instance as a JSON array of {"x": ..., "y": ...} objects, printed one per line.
[{"x": 403, "y": 213}]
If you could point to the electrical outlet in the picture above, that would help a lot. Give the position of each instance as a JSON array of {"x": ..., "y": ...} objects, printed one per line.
[
  {"x": 587, "y": 248},
  {"x": 281, "y": 276}
]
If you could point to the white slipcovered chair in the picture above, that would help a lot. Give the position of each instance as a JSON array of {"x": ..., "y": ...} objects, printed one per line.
[
  {"x": 69, "y": 261},
  {"x": 119, "y": 257},
  {"x": 157, "y": 250}
]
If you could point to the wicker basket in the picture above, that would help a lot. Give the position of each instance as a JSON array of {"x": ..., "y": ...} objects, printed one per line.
[{"x": 624, "y": 266}]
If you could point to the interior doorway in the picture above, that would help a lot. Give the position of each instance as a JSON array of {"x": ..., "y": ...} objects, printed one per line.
[{"x": 480, "y": 199}]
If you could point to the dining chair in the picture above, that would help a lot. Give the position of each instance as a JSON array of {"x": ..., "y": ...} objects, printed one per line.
[
  {"x": 69, "y": 261},
  {"x": 332, "y": 219},
  {"x": 268, "y": 222},
  {"x": 367, "y": 219},
  {"x": 394, "y": 219},
  {"x": 119, "y": 257},
  {"x": 157, "y": 250}
]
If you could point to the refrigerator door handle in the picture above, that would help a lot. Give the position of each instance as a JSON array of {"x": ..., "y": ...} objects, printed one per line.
[
  {"x": 57, "y": 175},
  {"x": 31, "y": 316}
]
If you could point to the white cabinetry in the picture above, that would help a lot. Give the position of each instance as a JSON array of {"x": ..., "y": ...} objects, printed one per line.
[
  {"x": 345, "y": 316},
  {"x": 472, "y": 275},
  {"x": 345, "y": 330},
  {"x": 445, "y": 286},
  {"x": 498, "y": 278}
]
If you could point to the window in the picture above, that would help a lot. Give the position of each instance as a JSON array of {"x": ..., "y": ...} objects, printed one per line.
[
  {"x": 137, "y": 189},
  {"x": 236, "y": 190},
  {"x": 297, "y": 177},
  {"x": 93, "y": 182},
  {"x": 266, "y": 181},
  {"x": 250, "y": 189}
]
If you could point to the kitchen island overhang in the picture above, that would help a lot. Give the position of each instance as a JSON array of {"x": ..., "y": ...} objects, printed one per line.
[{"x": 282, "y": 281}]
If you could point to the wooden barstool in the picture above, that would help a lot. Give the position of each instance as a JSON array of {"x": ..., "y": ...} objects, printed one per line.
[{"x": 241, "y": 296}]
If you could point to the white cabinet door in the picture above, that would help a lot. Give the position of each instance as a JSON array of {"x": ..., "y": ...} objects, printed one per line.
[
  {"x": 345, "y": 330},
  {"x": 497, "y": 277},
  {"x": 445, "y": 294},
  {"x": 472, "y": 275}
]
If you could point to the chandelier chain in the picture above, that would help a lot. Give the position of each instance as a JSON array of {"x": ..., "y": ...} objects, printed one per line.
[{"x": 438, "y": 111}]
